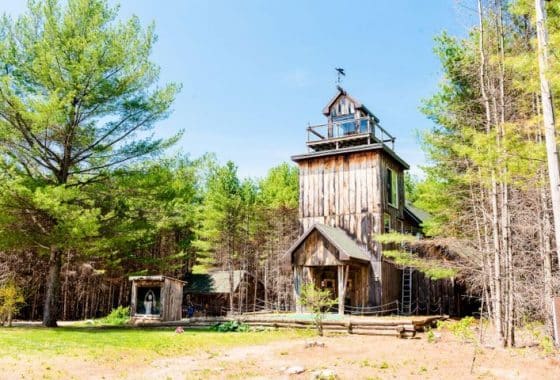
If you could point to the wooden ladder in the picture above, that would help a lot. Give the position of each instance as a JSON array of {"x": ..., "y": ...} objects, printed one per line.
[{"x": 406, "y": 298}]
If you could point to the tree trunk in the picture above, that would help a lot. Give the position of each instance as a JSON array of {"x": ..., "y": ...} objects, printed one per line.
[
  {"x": 548, "y": 118},
  {"x": 496, "y": 281},
  {"x": 546, "y": 248},
  {"x": 231, "y": 284},
  {"x": 50, "y": 311}
]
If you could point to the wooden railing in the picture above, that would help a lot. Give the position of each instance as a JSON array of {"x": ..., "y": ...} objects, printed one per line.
[{"x": 350, "y": 128}]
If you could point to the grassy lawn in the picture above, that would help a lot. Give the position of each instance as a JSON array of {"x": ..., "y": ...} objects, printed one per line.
[{"x": 125, "y": 344}]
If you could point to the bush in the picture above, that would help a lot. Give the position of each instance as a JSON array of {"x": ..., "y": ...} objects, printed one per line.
[
  {"x": 117, "y": 317},
  {"x": 431, "y": 336},
  {"x": 231, "y": 326},
  {"x": 11, "y": 300},
  {"x": 318, "y": 301},
  {"x": 462, "y": 328},
  {"x": 538, "y": 331}
]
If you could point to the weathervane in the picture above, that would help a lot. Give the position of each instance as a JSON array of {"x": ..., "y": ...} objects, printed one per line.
[{"x": 339, "y": 72}]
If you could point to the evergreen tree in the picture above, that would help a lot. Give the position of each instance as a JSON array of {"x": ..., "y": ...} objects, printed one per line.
[{"x": 78, "y": 94}]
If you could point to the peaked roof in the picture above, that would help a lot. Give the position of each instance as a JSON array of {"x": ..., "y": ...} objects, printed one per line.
[
  {"x": 347, "y": 247},
  {"x": 213, "y": 282},
  {"x": 357, "y": 103}
]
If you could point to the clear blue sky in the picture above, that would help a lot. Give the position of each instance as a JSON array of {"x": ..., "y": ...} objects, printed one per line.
[{"x": 255, "y": 72}]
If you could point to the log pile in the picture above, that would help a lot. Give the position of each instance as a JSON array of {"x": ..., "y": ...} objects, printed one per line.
[{"x": 399, "y": 327}]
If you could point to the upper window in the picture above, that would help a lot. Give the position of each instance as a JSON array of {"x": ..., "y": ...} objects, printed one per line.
[{"x": 392, "y": 188}]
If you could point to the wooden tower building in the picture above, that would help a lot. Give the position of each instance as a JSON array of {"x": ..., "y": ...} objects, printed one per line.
[{"x": 351, "y": 189}]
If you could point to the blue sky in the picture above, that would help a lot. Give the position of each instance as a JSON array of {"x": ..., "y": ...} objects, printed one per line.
[{"x": 255, "y": 72}]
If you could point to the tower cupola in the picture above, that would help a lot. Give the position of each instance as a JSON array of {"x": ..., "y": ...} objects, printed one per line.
[{"x": 349, "y": 123}]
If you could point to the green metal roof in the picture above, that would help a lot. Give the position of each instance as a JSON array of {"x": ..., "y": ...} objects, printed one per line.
[
  {"x": 422, "y": 215},
  {"x": 347, "y": 247},
  {"x": 213, "y": 282}
]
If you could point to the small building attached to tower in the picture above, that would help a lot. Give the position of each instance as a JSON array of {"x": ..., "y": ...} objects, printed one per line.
[{"x": 351, "y": 190}]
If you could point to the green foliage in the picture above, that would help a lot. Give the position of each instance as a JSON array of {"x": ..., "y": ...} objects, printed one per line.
[
  {"x": 79, "y": 96},
  {"x": 231, "y": 326},
  {"x": 221, "y": 215},
  {"x": 544, "y": 340},
  {"x": 462, "y": 329},
  {"x": 318, "y": 301},
  {"x": 83, "y": 81},
  {"x": 280, "y": 188},
  {"x": 117, "y": 317},
  {"x": 431, "y": 268},
  {"x": 464, "y": 152},
  {"x": 431, "y": 336},
  {"x": 11, "y": 301},
  {"x": 410, "y": 187},
  {"x": 395, "y": 237},
  {"x": 140, "y": 206}
]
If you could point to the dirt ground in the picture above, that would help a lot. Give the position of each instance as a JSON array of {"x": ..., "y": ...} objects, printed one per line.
[
  {"x": 349, "y": 357},
  {"x": 363, "y": 357}
]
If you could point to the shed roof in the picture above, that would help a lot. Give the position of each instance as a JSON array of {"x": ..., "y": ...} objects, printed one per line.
[
  {"x": 347, "y": 247},
  {"x": 213, "y": 282},
  {"x": 421, "y": 215}
]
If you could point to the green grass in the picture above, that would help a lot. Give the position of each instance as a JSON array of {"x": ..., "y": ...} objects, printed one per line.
[{"x": 126, "y": 343}]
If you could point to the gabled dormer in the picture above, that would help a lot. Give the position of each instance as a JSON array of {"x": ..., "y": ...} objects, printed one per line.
[
  {"x": 349, "y": 123},
  {"x": 343, "y": 105}
]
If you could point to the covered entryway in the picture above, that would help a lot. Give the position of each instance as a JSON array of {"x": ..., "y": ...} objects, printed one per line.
[{"x": 329, "y": 258}]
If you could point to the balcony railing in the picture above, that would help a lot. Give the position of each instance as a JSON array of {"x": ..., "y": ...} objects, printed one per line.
[{"x": 362, "y": 131}]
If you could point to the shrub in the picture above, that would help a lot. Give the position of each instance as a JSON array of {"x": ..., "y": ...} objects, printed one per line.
[
  {"x": 11, "y": 300},
  {"x": 462, "y": 328},
  {"x": 318, "y": 301},
  {"x": 431, "y": 336},
  {"x": 538, "y": 331},
  {"x": 117, "y": 317},
  {"x": 231, "y": 326}
]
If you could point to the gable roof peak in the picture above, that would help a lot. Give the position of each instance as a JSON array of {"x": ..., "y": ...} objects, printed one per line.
[{"x": 357, "y": 104}]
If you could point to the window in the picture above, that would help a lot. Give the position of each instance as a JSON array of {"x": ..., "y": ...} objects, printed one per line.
[
  {"x": 347, "y": 124},
  {"x": 392, "y": 188},
  {"x": 387, "y": 222},
  {"x": 363, "y": 126}
]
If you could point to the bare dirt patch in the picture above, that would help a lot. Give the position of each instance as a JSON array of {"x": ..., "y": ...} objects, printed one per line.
[{"x": 361, "y": 357}]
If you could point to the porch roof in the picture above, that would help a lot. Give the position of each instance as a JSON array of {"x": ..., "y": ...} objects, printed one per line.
[{"x": 347, "y": 247}]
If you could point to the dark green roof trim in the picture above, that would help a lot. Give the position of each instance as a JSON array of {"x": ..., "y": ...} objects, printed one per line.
[
  {"x": 353, "y": 149},
  {"x": 419, "y": 214}
]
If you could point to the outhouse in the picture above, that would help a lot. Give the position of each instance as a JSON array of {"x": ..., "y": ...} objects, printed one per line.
[{"x": 156, "y": 298}]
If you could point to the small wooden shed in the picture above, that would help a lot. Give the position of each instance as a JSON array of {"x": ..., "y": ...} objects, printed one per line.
[
  {"x": 156, "y": 297},
  {"x": 209, "y": 293}
]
